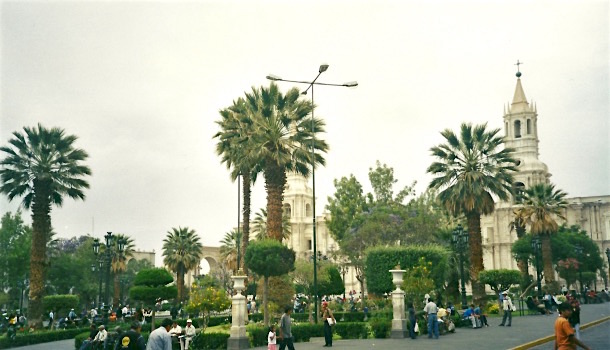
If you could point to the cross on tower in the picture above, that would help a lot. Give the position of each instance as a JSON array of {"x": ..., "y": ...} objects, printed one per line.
[{"x": 517, "y": 64}]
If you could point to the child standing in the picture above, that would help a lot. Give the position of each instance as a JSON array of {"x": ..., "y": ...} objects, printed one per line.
[{"x": 271, "y": 341}]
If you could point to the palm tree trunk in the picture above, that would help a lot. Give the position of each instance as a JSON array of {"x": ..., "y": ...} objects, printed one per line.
[
  {"x": 476, "y": 256},
  {"x": 117, "y": 290},
  {"x": 275, "y": 180},
  {"x": 246, "y": 225},
  {"x": 41, "y": 231},
  {"x": 180, "y": 282},
  {"x": 266, "y": 300},
  {"x": 547, "y": 258}
]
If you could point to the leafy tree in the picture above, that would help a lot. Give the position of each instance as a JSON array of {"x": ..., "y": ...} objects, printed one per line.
[
  {"x": 283, "y": 141},
  {"x": 382, "y": 179},
  {"x": 542, "y": 203},
  {"x": 260, "y": 225},
  {"x": 500, "y": 280},
  {"x": 60, "y": 304},
  {"x": 568, "y": 270},
  {"x": 418, "y": 280},
  {"x": 333, "y": 284},
  {"x": 347, "y": 202},
  {"x": 269, "y": 258},
  {"x": 469, "y": 172},
  {"x": 302, "y": 277},
  {"x": 43, "y": 167},
  {"x": 281, "y": 290},
  {"x": 15, "y": 243},
  {"x": 182, "y": 251},
  {"x": 206, "y": 299},
  {"x": 235, "y": 147},
  {"x": 151, "y": 285}
]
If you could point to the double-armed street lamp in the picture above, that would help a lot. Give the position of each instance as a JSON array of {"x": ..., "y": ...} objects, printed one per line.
[
  {"x": 105, "y": 260},
  {"x": 537, "y": 248},
  {"x": 460, "y": 241},
  {"x": 322, "y": 69},
  {"x": 608, "y": 256}
]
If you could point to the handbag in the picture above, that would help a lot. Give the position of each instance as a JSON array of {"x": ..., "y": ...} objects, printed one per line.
[
  {"x": 330, "y": 321},
  {"x": 416, "y": 330}
]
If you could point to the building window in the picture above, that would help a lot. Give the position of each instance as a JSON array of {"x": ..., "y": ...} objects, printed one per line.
[
  {"x": 287, "y": 211},
  {"x": 517, "y": 129},
  {"x": 519, "y": 189},
  {"x": 528, "y": 126},
  {"x": 309, "y": 245},
  {"x": 308, "y": 210},
  {"x": 506, "y": 129}
]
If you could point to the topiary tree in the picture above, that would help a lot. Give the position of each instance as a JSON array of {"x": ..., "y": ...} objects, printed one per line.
[
  {"x": 500, "y": 280},
  {"x": 59, "y": 304},
  {"x": 268, "y": 258},
  {"x": 151, "y": 285}
]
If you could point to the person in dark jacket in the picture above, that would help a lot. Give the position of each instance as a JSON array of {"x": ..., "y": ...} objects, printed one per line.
[{"x": 132, "y": 339}]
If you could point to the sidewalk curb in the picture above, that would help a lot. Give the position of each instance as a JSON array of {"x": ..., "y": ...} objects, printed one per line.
[{"x": 552, "y": 337}]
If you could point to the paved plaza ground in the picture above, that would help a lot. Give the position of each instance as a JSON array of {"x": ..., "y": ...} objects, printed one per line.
[{"x": 525, "y": 329}]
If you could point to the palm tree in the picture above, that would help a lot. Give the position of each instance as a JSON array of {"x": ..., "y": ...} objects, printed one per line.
[
  {"x": 235, "y": 148},
  {"x": 283, "y": 141},
  {"x": 182, "y": 251},
  {"x": 469, "y": 171},
  {"x": 542, "y": 203},
  {"x": 42, "y": 166},
  {"x": 519, "y": 226},
  {"x": 228, "y": 249},
  {"x": 260, "y": 226},
  {"x": 118, "y": 264}
]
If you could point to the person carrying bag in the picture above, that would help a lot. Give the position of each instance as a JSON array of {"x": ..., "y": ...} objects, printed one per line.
[{"x": 329, "y": 320}]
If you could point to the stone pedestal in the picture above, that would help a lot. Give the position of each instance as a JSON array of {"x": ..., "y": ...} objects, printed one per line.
[
  {"x": 238, "y": 338},
  {"x": 399, "y": 321}
]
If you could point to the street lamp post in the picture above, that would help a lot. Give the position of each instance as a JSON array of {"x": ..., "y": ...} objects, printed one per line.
[
  {"x": 106, "y": 259},
  {"x": 537, "y": 248},
  {"x": 460, "y": 240},
  {"x": 579, "y": 250},
  {"x": 322, "y": 69},
  {"x": 608, "y": 256}
]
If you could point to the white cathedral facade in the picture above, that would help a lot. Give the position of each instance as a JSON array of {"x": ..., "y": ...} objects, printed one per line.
[{"x": 521, "y": 133}]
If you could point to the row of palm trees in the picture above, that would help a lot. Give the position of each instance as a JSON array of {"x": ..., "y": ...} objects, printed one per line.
[{"x": 270, "y": 133}]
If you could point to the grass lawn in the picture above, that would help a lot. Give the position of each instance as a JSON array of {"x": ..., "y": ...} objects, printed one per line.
[{"x": 223, "y": 328}]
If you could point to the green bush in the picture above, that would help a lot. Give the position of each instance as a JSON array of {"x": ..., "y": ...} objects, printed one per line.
[
  {"x": 39, "y": 337},
  {"x": 380, "y": 260},
  {"x": 352, "y": 330},
  {"x": 350, "y": 316},
  {"x": 301, "y": 333},
  {"x": 381, "y": 327},
  {"x": 211, "y": 341}
]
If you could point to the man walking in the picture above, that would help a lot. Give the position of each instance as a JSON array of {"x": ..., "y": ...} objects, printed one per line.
[
  {"x": 430, "y": 310},
  {"x": 508, "y": 307},
  {"x": 160, "y": 339},
  {"x": 564, "y": 333},
  {"x": 285, "y": 333}
]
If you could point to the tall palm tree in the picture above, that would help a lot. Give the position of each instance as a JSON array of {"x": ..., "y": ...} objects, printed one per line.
[
  {"x": 283, "y": 141},
  {"x": 260, "y": 226},
  {"x": 470, "y": 170},
  {"x": 236, "y": 150},
  {"x": 118, "y": 264},
  {"x": 228, "y": 249},
  {"x": 542, "y": 203},
  {"x": 182, "y": 251},
  {"x": 519, "y": 226},
  {"x": 43, "y": 167}
]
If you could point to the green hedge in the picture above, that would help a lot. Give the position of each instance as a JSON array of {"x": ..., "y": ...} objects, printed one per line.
[
  {"x": 380, "y": 260},
  {"x": 352, "y": 330},
  {"x": 380, "y": 327},
  {"x": 211, "y": 341},
  {"x": 39, "y": 337}
]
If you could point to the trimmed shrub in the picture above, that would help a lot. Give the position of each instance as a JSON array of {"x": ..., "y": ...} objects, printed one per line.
[
  {"x": 211, "y": 341},
  {"x": 352, "y": 330},
  {"x": 380, "y": 260},
  {"x": 380, "y": 327},
  {"x": 39, "y": 337}
]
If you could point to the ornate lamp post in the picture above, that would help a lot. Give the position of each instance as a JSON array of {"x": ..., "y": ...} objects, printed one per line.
[
  {"x": 537, "y": 248},
  {"x": 460, "y": 241},
  {"x": 579, "y": 250},
  {"x": 322, "y": 69},
  {"x": 106, "y": 259},
  {"x": 608, "y": 256}
]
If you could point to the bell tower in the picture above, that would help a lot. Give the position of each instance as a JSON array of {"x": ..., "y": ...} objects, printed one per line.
[{"x": 521, "y": 134}]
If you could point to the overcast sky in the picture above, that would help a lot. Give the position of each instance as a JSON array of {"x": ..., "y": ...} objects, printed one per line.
[{"x": 141, "y": 85}]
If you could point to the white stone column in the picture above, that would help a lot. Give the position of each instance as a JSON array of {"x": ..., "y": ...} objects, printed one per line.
[
  {"x": 238, "y": 339},
  {"x": 399, "y": 321}
]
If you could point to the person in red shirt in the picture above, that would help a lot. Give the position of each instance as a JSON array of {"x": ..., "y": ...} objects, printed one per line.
[{"x": 564, "y": 333}]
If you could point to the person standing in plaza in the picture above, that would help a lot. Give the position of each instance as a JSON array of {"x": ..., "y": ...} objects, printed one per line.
[
  {"x": 412, "y": 320},
  {"x": 564, "y": 333},
  {"x": 271, "y": 339},
  {"x": 160, "y": 339},
  {"x": 285, "y": 331},
  {"x": 430, "y": 310},
  {"x": 575, "y": 316},
  {"x": 189, "y": 333},
  {"x": 508, "y": 308},
  {"x": 132, "y": 339},
  {"x": 329, "y": 321}
]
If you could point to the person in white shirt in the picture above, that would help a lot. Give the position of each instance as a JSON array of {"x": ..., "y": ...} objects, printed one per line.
[
  {"x": 93, "y": 313},
  {"x": 176, "y": 333},
  {"x": 271, "y": 339},
  {"x": 189, "y": 333},
  {"x": 101, "y": 336},
  {"x": 508, "y": 307}
]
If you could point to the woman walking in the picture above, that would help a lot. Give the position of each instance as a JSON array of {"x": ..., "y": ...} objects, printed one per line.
[{"x": 329, "y": 320}]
